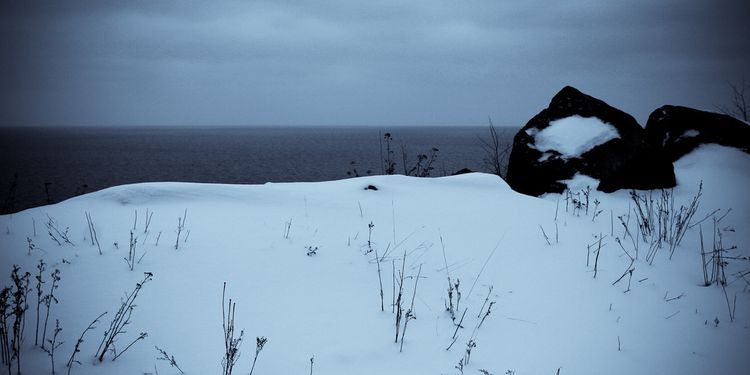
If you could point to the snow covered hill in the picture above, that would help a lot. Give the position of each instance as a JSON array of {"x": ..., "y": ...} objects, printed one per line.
[{"x": 299, "y": 260}]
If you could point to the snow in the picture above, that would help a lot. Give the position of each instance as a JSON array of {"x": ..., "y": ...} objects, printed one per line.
[
  {"x": 573, "y": 136},
  {"x": 581, "y": 182},
  {"x": 550, "y": 311},
  {"x": 690, "y": 133}
]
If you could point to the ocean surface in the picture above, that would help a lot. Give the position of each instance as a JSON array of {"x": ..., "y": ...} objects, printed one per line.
[{"x": 47, "y": 165}]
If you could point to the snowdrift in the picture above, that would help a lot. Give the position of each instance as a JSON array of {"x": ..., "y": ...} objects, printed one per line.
[{"x": 300, "y": 263}]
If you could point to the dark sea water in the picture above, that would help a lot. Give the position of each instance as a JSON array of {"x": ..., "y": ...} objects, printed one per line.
[{"x": 72, "y": 160}]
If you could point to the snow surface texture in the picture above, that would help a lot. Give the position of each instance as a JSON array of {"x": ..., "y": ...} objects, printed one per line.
[
  {"x": 550, "y": 312},
  {"x": 573, "y": 136}
]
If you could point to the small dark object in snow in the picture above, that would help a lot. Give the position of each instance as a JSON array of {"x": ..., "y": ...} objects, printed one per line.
[
  {"x": 462, "y": 171},
  {"x": 371, "y": 187},
  {"x": 312, "y": 251}
]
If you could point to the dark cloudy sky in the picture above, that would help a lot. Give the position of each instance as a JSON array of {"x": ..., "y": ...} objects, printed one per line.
[{"x": 351, "y": 62}]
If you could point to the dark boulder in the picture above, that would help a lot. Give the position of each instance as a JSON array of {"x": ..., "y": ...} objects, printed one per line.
[
  {"x": 679, "y": 130},
  {"x": 462, "y": 171},
  {"x": 626, "y": 161}
]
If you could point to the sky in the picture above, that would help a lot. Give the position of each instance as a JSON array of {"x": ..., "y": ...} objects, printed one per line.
[{"x": 355, "y": 62}]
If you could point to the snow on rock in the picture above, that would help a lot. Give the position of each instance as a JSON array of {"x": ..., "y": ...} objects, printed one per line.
[
  {"x": 549, "y": 311},
  {"x": 578, "y": 133},
  {"x": 573, "y": 136},
  {"x": 679, "y": 130},
  {"x": 690, "y": 133},
  {"x": 581, "y": 182}
]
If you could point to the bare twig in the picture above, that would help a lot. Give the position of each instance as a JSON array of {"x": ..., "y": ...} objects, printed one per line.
[{"x": 77, "y": 348}]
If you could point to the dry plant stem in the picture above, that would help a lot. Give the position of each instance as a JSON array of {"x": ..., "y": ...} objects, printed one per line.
[
  {"x": 259, "y": 343},
  {"x": 380, "y": 280},
  {"x": 13, "y": 303},
  {"x": 39, "y": 282},
  {"x": 92, "y": 230},
  {"x": 26, "y": 291},
  {"x": 546, "y": 239},
  {"x": 48, "y": 300},
  {"x": 410, "y": 313},
  {"x": 627, "y": 233},
  {"x": 405, "y": 159},
  {"x": 681, "y": 221},
  {"x": 460, "y": 322},
  {"x": 369, "y": 237},
  {"x": 6, "y": 333},
  {"x": 497, "y": 245},
  {"x": 458, "y": 293},
  {"x": 673, "y": 298},
  {"x": 141, "y": 336},
  {"x": 596, "y": 260},
  {"x": 53, "y": 344},
  {"x": 399, "y": 309},
  {"x": 121, "y": 318},
  {"x": 739, "y": 105},
  {"x": 231, "y": 344},
  {"x": 180, "y": 228},
  {"x": 712, "y": 213},
  {"x": 460, "y": 366},
  {"x": 77, "y": 348},
  {"x": 371, "y": 248},
  {"x": 4, "y": 343},
  {"x": 31, "y": 245},
  {"x": 627, "y": 271},
  {"x": 469, "y": 346},
  {"x": 287, "y": 229},
  {"x": 52, "y": 227},
  {"x": 729, "y": 307},
  {"x": 454, "y": 338},
  {"x": 596, "y": 208},
  {"x": 20, "y": 305},
  {"x": 494, "y": 154},
  {"x": 706, "y": 281},
  {"x": 393, "y": 283},
  {"x": 718, "y": 272},
  {"x": 485, "y": 301},
  {"x": 617, "y": 239},
  {"x": 450, "y": 284},
  {"x": 169, "y": 359},
  {"x": 486, "y": 314},
  {"x": 131, "y": 251},
  {"x": 148, "y": 220}
]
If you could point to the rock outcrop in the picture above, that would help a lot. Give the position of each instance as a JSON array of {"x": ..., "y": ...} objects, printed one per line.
[
  {"x": 621, "y": 161},
  {"x": 679, "y": 130}
]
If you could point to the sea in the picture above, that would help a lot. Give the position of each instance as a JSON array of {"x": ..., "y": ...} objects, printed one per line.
[{"x": 45, "y": 165}]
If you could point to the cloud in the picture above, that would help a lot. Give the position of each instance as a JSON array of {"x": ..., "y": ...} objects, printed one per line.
[{"x": 357, "y": 62}]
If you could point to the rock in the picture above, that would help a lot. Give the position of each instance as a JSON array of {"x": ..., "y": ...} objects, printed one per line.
[
  {"x": 622, "y": 160},
  {"x": 462, "y": 171},
  {"x": 679, "y": 130}
]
